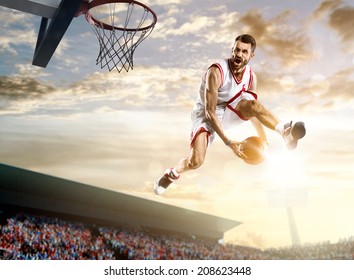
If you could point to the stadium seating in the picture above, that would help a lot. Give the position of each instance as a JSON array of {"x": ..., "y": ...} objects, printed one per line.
[{"x": 38, "y": 237}]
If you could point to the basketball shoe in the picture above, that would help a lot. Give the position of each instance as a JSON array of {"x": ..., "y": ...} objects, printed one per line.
[
  {"x": 292, "y": 133},
  {"x": 165, "y": 180}
]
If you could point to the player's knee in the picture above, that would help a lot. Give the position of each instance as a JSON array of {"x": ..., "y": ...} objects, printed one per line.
[
  {"x": 254, "y": 106},
  {"x": 195, "y": 163},
  {"x": 249, "y": 108}
]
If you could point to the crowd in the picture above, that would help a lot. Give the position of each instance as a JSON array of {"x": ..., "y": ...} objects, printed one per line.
[
  {"x": 45, "y": 238},
  {"x": 32, "y": 237}
]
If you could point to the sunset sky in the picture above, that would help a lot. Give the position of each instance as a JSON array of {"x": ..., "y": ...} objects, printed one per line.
[{"x": 120, "y": 131}]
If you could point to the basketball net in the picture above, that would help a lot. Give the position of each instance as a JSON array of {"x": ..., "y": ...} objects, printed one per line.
[{"x": 120, "y": 26}]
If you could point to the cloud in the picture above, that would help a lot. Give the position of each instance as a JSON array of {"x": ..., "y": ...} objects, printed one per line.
[
  {"x": 341, "y": 86},
  {"x": 342, "y": 21},
  {"x": 12, "y": 39},
  {"x": 283, "y": 41},
  {"x": 18, "y": 40},
  {"x": 12, "y": 17},
  {"x": 194, "y": 26},
  {"x": 148, "y": 88},
  {"x": 166, "y": 2},
  {"x": 332, "y": 92},
  {"x": 30, "y": 71},
  {"x": 340, "y": 18},
  {"x": 328, "y": 93},
  {"x": 286, "y": 42},
  {"x": 324, "y": 7},
  {"x": 15, "y": 88},
  {"x": 17, "y": 30},
  {"x": 119, "y": 144},
  {"x": 19, "y": 95}
]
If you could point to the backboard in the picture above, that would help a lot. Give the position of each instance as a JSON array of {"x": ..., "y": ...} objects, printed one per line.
[{"x": 56, "y": 17}]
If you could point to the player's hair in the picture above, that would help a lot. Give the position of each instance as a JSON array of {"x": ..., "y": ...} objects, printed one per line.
[{"x": 248, "y": 39}]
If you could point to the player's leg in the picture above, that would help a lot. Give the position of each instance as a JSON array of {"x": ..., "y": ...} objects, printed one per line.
[
  {"x": 194, "y": 161},
  {"x": 197, "y": 154},
  {"x": 253, "y": 108},
  {"x": 291, "y": 133}
]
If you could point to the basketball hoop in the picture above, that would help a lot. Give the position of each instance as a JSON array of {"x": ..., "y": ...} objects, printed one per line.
[{"x": 120, "y": 26}]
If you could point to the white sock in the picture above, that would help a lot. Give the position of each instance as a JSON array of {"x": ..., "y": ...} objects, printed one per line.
[
  {"x": 280, "y": 128},
  {"x": 175, "y": 173}
]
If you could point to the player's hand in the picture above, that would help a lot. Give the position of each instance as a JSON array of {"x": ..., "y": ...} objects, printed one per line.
[{"x": 237, "y": 149}]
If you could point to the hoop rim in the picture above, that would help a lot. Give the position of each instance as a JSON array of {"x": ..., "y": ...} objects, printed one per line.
[{"x": 89, "y": 17}]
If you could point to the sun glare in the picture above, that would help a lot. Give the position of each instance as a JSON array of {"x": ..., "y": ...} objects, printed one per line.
[{"x": 285, "y": 169}]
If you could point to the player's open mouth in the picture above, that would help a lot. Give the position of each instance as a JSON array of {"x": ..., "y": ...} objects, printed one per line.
[{"x": 238, "y": 60}]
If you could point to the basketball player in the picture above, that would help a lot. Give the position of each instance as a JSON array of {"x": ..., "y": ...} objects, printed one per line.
[{"x": 226, "y": 98}]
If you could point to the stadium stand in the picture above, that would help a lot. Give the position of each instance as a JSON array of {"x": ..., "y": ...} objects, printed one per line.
[
  {"x": 37, "y": 237},
  {"x": 25, "y": 188},
  {"x": 48, "y": 218}
]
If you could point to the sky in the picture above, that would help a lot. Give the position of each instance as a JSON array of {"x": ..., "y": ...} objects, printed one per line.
[{"x": 120, "y": 131}]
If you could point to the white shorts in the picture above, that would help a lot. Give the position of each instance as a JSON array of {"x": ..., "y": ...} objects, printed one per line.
[
  {"x": 228, "y": 116},
  {"x": 232, "y": 117},
  {"x": 201, "y": 124}
]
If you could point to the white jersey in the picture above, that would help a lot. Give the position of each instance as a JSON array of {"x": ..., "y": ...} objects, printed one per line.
[{"x": 230, "y": 93}]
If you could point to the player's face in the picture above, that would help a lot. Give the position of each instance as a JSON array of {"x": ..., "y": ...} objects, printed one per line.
[{"x": 241, "y": 54}]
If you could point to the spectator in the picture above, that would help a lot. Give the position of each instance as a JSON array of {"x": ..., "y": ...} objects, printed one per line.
[{"x": 27, "y": 237}]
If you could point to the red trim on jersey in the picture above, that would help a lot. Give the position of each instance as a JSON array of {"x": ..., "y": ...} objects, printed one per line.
[
  {"x": 251, "y": 79},
  {"x": 233, "y": 109},
  {"x": 233, "y": 98},
  {"x": 233, "y": 75},
  {"x": 252, "y": 93},
  {"x": 200, "y": 130},
  {"x": 238, "y": 113}
]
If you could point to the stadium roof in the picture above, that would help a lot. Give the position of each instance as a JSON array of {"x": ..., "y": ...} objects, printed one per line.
[{"x": 24, "y": 188}]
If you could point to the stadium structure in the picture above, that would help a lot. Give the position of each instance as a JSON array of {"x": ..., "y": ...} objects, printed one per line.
[{"x": 21, "y": 188}]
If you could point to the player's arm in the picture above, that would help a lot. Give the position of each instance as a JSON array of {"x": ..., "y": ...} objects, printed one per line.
[
  {"x": 213, "y": 82},
  {"x": 255, "y": 122}
]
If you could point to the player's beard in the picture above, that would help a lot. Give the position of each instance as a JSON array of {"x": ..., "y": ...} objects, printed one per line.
[{"x": 239, "y": 65}]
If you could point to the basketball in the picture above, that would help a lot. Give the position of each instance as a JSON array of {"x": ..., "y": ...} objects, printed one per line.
[{"x": 253, "y": 147}]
